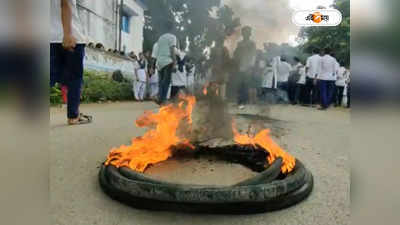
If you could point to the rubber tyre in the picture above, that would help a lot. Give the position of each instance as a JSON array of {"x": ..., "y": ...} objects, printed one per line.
[
  {"x": 247, "y": 199},
  {"x": 268, "y": 175}
]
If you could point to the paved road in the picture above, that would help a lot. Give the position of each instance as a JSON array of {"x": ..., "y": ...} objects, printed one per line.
[{"x": 319, "y": 139}]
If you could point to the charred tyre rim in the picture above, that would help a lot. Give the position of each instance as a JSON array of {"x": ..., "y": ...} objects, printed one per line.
[{"x": 268, "y": 191}]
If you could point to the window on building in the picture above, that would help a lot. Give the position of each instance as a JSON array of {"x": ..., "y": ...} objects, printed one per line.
[{"x": 126, "y": 22}]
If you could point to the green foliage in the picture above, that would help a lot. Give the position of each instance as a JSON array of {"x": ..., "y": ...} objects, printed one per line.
[
  {"x": 193, "y": 22},
  {"x": 201, "y": 22},
  {"x": 337, "y": 38},
  {"x": 118, "y": 77},
  {"x": 55, "y": 96},
  {"x": 98, "y": 87}
]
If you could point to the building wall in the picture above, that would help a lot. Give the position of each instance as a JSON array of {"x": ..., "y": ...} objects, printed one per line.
[
  {"x": 101, "y": 23},
  {"x": 96, "y": 60},
  {"x": 134, "y": 40}
]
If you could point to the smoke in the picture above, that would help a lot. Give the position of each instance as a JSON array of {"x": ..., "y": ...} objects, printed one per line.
[
  {"x": 231, "y": 41},
  {"x": 271, "y": 20},
  {"x": 211, "y": 118}
]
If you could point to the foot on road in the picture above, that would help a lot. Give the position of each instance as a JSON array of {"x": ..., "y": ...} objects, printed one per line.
[{"x": 82, "y": 119}]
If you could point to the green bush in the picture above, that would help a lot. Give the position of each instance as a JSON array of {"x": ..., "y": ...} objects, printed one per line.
[
  {"x": 55, "y": 96},
  {"x": 98, "y": 87}
]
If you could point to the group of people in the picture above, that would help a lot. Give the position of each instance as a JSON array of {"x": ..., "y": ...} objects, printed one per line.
[
  {"x": 167, "y": 70},
  {"x": 145, "y": 80},
  {"x": 321, "y": 80},
  {"x": 164, "y": 72}
]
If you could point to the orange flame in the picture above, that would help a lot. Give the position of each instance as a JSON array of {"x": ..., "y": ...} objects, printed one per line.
[
  {"x": 155, "y": 145},
  {"x": 263, "y": 140},
  {"x": 205, "y": 91}
]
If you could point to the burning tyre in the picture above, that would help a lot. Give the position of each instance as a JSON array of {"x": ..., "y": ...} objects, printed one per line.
[
  {"x": 282, "y": 182},
  {"x": 268, "y": 191}
]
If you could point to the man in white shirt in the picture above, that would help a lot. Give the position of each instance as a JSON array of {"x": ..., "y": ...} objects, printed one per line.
[
  {"x": 293, "y": 79},
  {"x": 340, "y": 84},
  {"x": 326, "y": 78},
  {"x": 284, "y": 69},
  {"x": 300, "y": 82},
  {"x": 166, "y": 60},
  {"x": 67, "y": 51},
  {"x": 269, "y": 77},
  {"x": 269, "y": 83},
  {"x": 311, "y": 95}
]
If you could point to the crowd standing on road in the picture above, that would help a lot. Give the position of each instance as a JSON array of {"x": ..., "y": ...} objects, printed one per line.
[
  {"x": 320, "y": 81},
  {"x": 167, "y": 70}
]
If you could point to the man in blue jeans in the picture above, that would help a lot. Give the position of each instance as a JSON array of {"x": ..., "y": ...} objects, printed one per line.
[
  {"x": 311, "y": 90},
  {"x": 327, "y": 78},
  {"x": 166, "y": 60},
  {"x": 67, "y": 50}
]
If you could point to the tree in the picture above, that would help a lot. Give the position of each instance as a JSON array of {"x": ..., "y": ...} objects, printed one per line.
[
  {"x": 337, "y": 38},
  {"x": 194, "y": 23},
  {"x": 190, "y": 17},
  {"x": 156, "y": 15},
  {"x": 223, "y": 25}
]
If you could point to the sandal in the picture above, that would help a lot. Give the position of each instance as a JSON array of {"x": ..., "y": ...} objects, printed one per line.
[{"x": 82, "y": 119}]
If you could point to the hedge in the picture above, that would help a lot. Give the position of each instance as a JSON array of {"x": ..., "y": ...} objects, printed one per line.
[{"x": 98, "y": 87}]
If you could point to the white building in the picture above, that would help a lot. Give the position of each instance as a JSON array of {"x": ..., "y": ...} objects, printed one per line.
[{"x": 101, "y": 21}]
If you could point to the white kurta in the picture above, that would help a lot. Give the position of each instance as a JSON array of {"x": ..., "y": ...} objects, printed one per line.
[
  {"x": 284, "y": 69},
  {"x": 269, "y": 78},
  {"x": 140, "y": 83},
  {"x": 302, "y": 72},
  {"x": 314, "y": 66},
  {"x": 329, "y": 67},
  {"x": 179, "y": 78},
  {"x": 341, "y": 77}
]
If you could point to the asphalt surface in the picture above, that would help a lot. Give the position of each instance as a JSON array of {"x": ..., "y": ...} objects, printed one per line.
[{"x": 319, "y": 138}]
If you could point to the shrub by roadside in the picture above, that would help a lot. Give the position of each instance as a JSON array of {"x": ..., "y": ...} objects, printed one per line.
[{"x": 98, "y": 87}]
